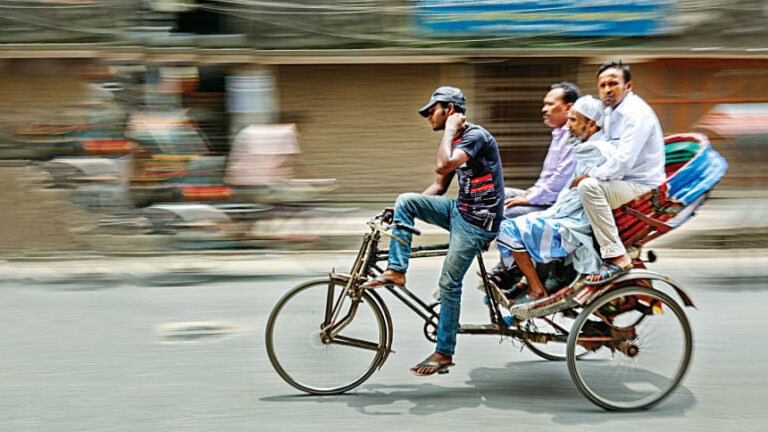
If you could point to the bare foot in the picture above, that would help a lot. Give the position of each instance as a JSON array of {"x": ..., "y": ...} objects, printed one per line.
[
  {"x": 622, "y": 261},
  {"x": 537, "y": 295},
  {"x": 536, "y": 290},
  {"x": 438, "y": 361},
  {"x": 531, "y": 292},
  {"x": 390, "y": 275}
]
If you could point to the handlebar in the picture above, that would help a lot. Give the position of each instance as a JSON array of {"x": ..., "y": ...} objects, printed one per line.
[
  {"x": 405, "y": 227},
  {"x": 386, "y": 221}
]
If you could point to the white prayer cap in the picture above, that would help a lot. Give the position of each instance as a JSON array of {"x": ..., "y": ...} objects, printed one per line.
[{"x": 590, "y": 108}]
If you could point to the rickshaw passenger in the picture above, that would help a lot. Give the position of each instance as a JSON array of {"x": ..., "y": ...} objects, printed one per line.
[
  {"x": 563, "y": 230},
  {"x": 636, "y": 167},
  {"x": 556, "y": 172},
  {"x": 558, "y": 164}
]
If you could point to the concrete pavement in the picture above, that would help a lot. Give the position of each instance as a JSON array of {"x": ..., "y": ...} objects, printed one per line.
[{"x": 104, "y": 359}]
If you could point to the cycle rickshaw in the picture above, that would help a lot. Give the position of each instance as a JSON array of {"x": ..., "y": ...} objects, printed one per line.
[{"x": 627, "y": 342}]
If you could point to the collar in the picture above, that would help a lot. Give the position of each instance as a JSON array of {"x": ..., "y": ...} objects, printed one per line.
[
  {"x": 597, "y": 136},
  {"x": 620, "y": 109},
  {"x": 558, "y": 132}
]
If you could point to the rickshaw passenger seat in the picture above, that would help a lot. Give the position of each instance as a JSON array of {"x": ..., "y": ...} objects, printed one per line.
[{"x": 693, "y": 168}]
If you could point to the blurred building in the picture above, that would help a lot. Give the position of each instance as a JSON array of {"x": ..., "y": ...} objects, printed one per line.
[{"x": 356, "y": 71}]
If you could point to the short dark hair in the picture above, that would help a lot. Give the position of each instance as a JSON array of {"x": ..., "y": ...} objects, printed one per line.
[
  {"x": 609, "y": 64},
  {"x": 570, "y": 91},
  {"x": 458, "y": 108}
]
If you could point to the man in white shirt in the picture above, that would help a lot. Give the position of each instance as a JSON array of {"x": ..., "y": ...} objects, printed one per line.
[{"x": 636, "y": 167}]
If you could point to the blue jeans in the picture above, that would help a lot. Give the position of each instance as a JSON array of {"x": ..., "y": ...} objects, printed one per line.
[{"x": 467, "y": 240}]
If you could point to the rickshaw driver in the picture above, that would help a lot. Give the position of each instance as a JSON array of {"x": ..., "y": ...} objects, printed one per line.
[
  {"x": 636, "y": 167},
  {"x": 473, "y": 219}
]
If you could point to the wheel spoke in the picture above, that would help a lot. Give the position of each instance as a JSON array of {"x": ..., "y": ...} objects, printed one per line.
[
  {"x": 306, "y": 356},
  {"x": 641, "y": 363},
  {"x": 556, "y": 324}
]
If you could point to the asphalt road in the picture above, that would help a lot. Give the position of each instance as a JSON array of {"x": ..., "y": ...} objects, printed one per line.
[{"x": 106, "y": 357}]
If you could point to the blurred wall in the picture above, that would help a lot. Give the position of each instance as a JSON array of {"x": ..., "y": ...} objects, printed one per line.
[
  {"x": 35, "y": 219},
  {"x": 682, "y": 90},
  {"x": 40, "y": 90},
  {"x": 359, "y": 123},
  {"x": 38, "y": 220}
]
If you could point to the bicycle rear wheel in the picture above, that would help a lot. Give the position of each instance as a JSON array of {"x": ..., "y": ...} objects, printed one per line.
[
  {"x": 637, "y": 360},
  {"x": 557, "y": 324},
  {"x": 317, "y": 365}
]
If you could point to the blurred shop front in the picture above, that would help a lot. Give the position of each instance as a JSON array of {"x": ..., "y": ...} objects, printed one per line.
[
  {"x": 357, "y": 117},
  {"x": 135, "y": 132}
]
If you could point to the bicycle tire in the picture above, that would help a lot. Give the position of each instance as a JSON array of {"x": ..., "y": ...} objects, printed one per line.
[
  {"x": 324, "y": 359},
  {"x": 647, "y": 387}
]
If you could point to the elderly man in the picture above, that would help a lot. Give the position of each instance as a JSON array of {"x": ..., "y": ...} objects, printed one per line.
[
  {"x": 636, "y": 167},
  {"x": 470, "y": 152},
  {"x": 562, "y": 230}
]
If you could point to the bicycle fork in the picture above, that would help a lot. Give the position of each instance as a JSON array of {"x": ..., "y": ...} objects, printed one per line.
[
  {"x": 333, "y": 324},
  {"x": 332, "y": 310}
]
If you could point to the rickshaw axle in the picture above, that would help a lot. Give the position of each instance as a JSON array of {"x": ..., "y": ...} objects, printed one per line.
[{"x": 629, "y": 349}]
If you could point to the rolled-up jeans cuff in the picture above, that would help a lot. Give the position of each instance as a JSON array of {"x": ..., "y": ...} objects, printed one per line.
[
  {"x": 397, "y": 269},
  {"x": 612, "y": 250}
]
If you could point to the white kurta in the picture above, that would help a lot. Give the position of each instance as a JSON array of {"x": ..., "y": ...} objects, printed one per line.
[{"x": 634, "y": 130}]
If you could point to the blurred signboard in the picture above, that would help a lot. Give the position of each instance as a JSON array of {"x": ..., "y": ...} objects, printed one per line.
[{"x": 544, "y": 17}]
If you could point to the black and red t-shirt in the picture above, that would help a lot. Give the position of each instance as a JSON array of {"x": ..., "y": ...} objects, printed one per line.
[{"x": 481, "y": 181}]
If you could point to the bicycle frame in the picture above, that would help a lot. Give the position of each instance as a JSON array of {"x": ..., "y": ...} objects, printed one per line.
[{"x": 366, "y": 265}]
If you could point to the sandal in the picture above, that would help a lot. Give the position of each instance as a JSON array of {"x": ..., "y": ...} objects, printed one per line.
[
  {"x": 497, "y": 268},
  {"x": 379, "y": 281},
  {"x": 607, "y": 272},
  {"x": 440, "y": 368},
  {"x": 503, "y": 277}
]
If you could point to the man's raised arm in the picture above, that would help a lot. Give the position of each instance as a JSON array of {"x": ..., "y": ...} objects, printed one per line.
[{"x": 448, "y": 158}]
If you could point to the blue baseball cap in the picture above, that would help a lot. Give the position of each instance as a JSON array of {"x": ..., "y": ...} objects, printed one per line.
[{"x": 445, "y": 94}]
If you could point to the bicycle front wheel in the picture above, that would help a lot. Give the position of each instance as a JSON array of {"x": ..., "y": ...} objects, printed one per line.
[
  {"x": 310, "y": 361},
  {"x": 641, "y": 346}
]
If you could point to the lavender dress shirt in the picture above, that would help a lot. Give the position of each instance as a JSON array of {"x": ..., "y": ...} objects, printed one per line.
[{"x": 557, "y": 170}]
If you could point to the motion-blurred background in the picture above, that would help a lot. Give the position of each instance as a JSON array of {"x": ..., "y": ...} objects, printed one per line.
[
  {"x": 170, "y": 168},
  {"x": 164, "y": 125}
]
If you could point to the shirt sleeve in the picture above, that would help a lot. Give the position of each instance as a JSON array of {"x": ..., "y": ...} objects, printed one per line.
[
  {"x": 632, "y": 141},
  {"x": 546, "y": 189},
  {"x": 471, "y": 142}
]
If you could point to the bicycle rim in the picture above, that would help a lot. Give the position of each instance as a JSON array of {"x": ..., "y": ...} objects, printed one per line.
[
  {"x": 300, "y": 356},
  {"x": 641, "y": 361},
  {"x": 555, "y": 324}
]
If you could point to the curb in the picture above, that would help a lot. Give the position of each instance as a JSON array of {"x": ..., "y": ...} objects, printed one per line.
[{"x": 192, "y": 270}]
